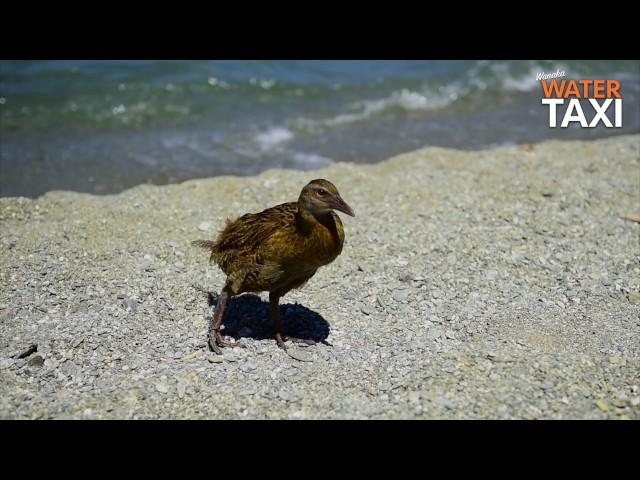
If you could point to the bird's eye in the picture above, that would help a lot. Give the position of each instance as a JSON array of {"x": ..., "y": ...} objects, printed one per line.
[{"x": 322, "y": 192}]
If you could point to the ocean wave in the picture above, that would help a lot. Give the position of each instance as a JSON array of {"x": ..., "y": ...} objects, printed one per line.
[
  {"x": 273, "y": 138},
  {"x": 404, "y": 100},
  {"x": 524, "y": 83},
  {"x": 485, "y": 78}
]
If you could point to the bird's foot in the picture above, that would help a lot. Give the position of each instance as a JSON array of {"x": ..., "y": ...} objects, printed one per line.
[
  {"x": 281, "y": 339},
  {"x": 217, "y": 341}
]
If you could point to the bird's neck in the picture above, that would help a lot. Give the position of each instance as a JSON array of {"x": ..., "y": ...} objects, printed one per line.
[{"x": 307, "y": 219}]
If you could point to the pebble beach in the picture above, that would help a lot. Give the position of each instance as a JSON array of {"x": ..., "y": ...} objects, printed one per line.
[{"x": 500, "y": 283}]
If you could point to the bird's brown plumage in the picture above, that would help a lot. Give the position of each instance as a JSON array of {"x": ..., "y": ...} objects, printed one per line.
[{"x": 281, "y": 248}]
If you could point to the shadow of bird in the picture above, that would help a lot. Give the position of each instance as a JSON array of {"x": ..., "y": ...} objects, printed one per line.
[{"x": 247, "y": 316}]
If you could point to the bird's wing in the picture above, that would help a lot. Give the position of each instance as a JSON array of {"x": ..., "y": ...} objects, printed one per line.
[
  {"x": 251, "y": 273},
  {"x": 248, "y": 232},
  {"x": 238, "y": 247}
]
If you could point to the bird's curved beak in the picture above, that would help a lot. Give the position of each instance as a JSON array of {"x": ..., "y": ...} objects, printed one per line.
[{"x": 337, "y": 203}]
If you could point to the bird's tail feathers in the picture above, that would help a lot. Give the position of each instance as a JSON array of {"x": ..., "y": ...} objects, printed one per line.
[{"x": 206, "y": 244}]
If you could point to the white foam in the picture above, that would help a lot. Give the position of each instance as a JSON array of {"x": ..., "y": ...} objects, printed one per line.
[
  {"x": 526, "y": 83},
  {"x": 273, "y": 138},
  {"x": 523, "y": 83},
  {"x": 485, "y": 75},
  {"x": 404, "y": 99}
]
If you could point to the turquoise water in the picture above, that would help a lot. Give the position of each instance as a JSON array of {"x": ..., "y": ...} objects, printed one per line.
[{"x": 103, "y": 126}]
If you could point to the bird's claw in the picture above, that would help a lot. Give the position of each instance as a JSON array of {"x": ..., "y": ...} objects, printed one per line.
[
  {"x": 280, "y": 339},
  {"x": 214, "y": 347},
  {"x": 218, "y": 341}
]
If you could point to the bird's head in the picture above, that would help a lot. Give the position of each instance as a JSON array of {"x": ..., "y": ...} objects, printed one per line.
[{"x": 320, "y": 196}]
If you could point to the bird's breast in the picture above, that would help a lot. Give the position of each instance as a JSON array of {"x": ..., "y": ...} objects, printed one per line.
[{"x": 325, "y": 242}]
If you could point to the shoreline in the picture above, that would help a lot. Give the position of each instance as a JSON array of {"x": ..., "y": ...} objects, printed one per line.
[
  {"x": 101, "y": 188},
  {"x": 497, "y": 283}
]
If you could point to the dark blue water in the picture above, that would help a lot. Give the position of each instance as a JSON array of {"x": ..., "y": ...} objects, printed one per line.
[{"x": 103, "y": 126}]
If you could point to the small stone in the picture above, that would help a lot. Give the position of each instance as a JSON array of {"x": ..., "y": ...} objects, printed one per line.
[
  {"x": 634, "y": 297},
  {"x": 147, "y": 263},
  {"x": 491, "y": 274},
  {"x": 366, "y": 309},
  {"x": 633, "y": 216},
  {"x": 349, "y": 295},
  {"x": 162, "y": 387},
  {"x": 286, "y": 396},
  {"x": 132, "y": 398},
  {"x": 249, "y": 367},
  {"x": 5, "y": 363},
  {"x": 217, "y": 358},
  {"x": 182, "y": 387},
  {"x": 635, "y": 401},
  {"x": 36, "y": 360},
  {"x": 617, "y": 361},
  {"x": 131, "y": 304},
  {"x": 76, "y": 343},
  {"x": 444, "y": 402},
  {"x": 401, "y": 295},
  {"x": 434, "y": 334},
  {"x": 204, "y": 227},
  {"x": 300, "y": 356},
  {"x": 191, "y": 356},
  {"x": 602, "y": 405},
  {"x": 619, "y": 402},
  {"x": 230, "y": 357},
  {"x": 27, "y": 351}
]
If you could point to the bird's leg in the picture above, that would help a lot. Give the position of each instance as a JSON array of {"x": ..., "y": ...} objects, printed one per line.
[
  {"x": 216, "y": 340},
  {"x": 278, "y": 329},
  {"x": 277, "y": 321}
]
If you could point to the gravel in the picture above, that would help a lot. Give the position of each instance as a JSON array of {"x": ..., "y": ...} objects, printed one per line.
[{"x": 492, "y": 284}]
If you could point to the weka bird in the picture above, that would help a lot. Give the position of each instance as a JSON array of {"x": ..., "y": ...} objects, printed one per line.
[{"x": 277, "y": 250}]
